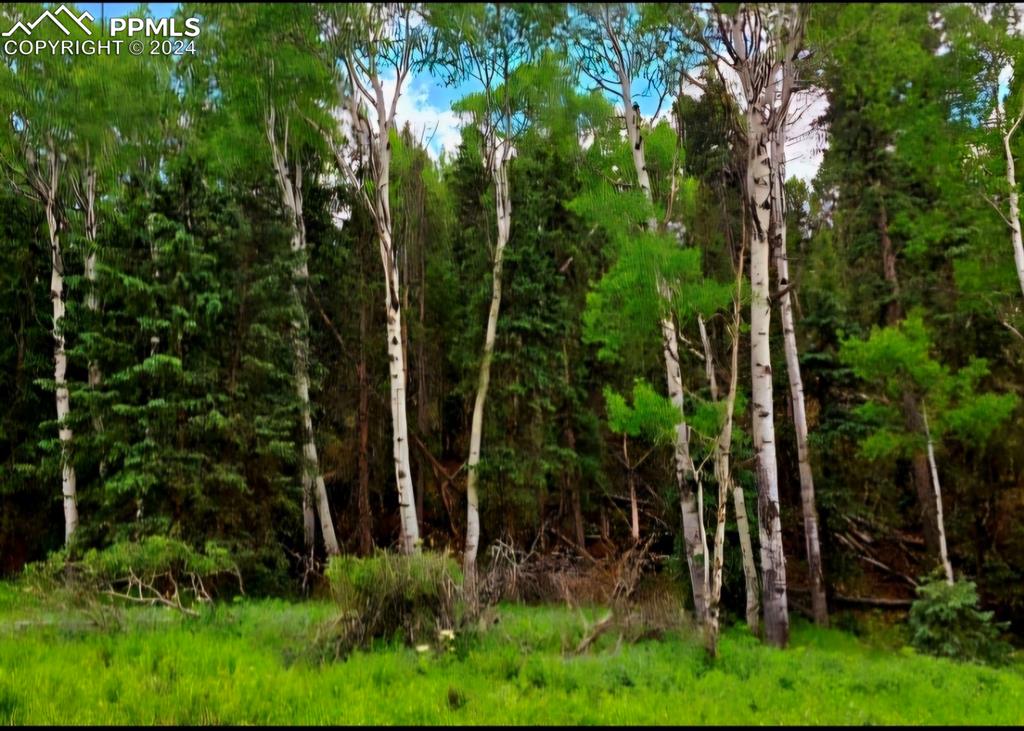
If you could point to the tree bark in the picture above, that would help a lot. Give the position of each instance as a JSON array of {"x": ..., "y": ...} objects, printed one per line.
[
  {"x": 947, "y": 568},
  {"x": 634, "y": 509},
  {"x": 723, "y": 477},
  {"x": 314, "y": 492},
  {"x": 773, "y": 562},
  {"x": 503, "y": 202},
  {"x": 762, "y": 45},
  {"x": 1011, "y": 181},
  {"x": 363, "y": 498},
  {"x": 91, "y": 297},
  {"x": 1015, "y": 233},
  {"x": 894, "y": 310},
  {"x": 410, "y": 534},
  {"x": 687, "y": 481},
  {"x": 819, "y": 607},
  {"x": 69, "y": 488},
  {"x": 574, "y": 492},
  {"x": 368, "y": 87},
  {"x": 751, "y": 580}
]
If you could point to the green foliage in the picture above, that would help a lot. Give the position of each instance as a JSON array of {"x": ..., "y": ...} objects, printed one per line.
[
  {"x": 388, "y": 596},
  {"x": 945, "y": 621},
  {"x": 897, "y": 362},
  {"x": 651, "y": 416}
]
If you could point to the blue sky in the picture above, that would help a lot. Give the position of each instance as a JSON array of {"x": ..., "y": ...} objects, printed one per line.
[
  {"x": 118, "y": 10},
  {"x": 426, "y": 102}
]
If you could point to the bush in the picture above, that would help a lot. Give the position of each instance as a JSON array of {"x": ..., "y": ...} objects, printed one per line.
[
  {"x": 156, "y": 570},
  {"x": 945, "y": 621},
  {"x": 389, "y": 596}
]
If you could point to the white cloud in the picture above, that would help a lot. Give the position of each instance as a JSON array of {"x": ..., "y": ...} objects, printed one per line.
[{"x": 428, "y": 123}]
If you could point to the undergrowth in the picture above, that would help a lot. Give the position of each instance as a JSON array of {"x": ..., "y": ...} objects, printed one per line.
[{"x": 246, "y": 662}]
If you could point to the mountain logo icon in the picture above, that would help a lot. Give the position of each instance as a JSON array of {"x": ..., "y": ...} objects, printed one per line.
[{"x": 69, "y": 18}]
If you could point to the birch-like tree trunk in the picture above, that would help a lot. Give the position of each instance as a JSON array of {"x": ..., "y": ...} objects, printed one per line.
[
  {"x": 773, "y": 562},
  {"x": 363, "y": 498},
  {"x": 46, "y": 185},
  {"x": 723, "y": 476},
  {"x": 687, "y": 480},
  {"x": 368, "y": 90},
  {"x": 409, "y": 539},
  {"x": 759, "y": 42},
  {"x": 503, "y": 203},
  {"x": 314, "y": 492},
  {"x": 1014, "y": 197},
  {"x": 819, "y": 607},
  {"x": 691, "y": 495},
  {"x": 947, "y": 568},
  {"x": 92, "y": 301},
  {"x": 750, "y": 577}
]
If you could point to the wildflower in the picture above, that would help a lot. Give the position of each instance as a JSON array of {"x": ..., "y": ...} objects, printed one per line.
[
  {"x": 422, "y": 648},
  {"x": 447, "y": 634}
]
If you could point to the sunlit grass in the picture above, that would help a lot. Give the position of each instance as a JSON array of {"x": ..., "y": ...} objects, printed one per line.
[{"x": 251, "y": 662}]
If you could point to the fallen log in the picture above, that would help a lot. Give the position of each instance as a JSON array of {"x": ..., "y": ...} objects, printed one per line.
[{"x": 870, "y": 601}]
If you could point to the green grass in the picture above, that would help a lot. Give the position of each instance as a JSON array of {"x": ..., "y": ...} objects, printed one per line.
[{"x": 250, "y": 662}]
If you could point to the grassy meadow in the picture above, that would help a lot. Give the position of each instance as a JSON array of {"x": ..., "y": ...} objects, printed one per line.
[{"x": 254, "y": 662}]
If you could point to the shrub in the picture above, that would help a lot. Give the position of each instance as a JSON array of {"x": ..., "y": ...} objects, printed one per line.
[
  {"x": 945, "y": 621},
  {"x": 389, "y": 596},
  {"x": 156, "y": 570}
]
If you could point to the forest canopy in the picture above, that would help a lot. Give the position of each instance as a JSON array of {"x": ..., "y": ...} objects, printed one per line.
[{"x": 251, "y": 312}]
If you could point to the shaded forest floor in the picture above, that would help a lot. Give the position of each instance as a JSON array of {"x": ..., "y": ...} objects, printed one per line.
[{"x": 255, "y": 662}]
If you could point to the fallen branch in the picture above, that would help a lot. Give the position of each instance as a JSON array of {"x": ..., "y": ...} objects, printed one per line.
[
  {"x": 874, "y": 601},
  {"x": 596, "y": 631}
]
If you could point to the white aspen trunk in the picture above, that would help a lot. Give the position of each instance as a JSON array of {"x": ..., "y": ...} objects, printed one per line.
[
  {"x": 694, "y": 539},
  {"x": 750, "y": 577},
  {"x": 762, "y": 45},
  {"x": 314, "y": 492},
  {"x": 1014, "y": 219},
  {"x": 724, "y": 479},
  {"x": 410, "y": 537},
  {"x": 773, "y": 562},
  {"x": 691, "y": 501},
  {"x": 819, "y": 607},
  {"x": 91, "y": 297},
  {"x": 947, "y": 568},
  {"x": 503, "y": 202},
  {"x": 368, "y": 87},
  {"x": 69, "y": 488}
]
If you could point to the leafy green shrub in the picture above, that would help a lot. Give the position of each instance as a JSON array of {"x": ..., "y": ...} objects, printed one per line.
[
  {"x": 156, "y": 570},
  {"x": 389, "y": 595},
  {"x": 945, "y": 621}
]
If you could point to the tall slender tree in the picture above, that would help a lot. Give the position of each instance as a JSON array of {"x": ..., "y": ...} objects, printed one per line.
[
  {"x": 371, "y": 43},
  {"x": 787, "y": 83},
  {"x": 36, "y": 149},
  {"x": 753, "y": 42},
  {"x": 616, "y": 46},
  {"x": 279, "y": 95}
]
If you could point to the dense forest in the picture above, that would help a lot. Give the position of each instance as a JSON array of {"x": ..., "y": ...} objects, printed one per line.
[{"x": 246, "y": 307}]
